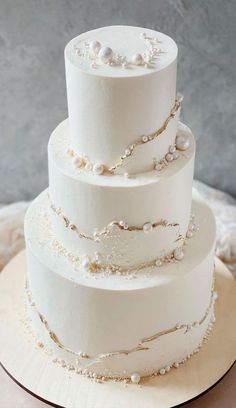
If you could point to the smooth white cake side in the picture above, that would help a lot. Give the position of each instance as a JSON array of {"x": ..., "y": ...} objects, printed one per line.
[
  {"x": 92, "y": 202},
  {"x": 110, "y": 106},
  {"x": 95, "y": 315}
]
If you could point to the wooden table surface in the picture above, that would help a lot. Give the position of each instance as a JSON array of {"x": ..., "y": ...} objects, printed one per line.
[{"x": 223, "y": 395}]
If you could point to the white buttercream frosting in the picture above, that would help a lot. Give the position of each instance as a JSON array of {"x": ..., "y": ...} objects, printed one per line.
[
  {"x": 110, "y": 107},
  {"x": 92, "y": 202},
  {"x": 110, "y": 313}
]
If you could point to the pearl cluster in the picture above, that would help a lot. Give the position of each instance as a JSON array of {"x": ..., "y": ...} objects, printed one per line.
[
  {"x": 98, "y": 54},
  {"x": 182, "y": 142},
  {"x": 82, "y": 162}
]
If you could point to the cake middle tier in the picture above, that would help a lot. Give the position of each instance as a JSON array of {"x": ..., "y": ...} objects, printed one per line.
[{"x": 119, "y": 221}]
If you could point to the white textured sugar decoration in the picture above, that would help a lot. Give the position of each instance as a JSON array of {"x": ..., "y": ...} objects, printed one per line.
[
  {"x": 98, "y": 54},
  {"x": 182, "y": 142}
]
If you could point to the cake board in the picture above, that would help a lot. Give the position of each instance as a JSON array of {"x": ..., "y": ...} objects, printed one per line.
[{"x": 32, "y": 367}]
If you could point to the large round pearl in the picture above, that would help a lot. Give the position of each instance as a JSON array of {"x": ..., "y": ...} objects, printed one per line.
[
  {"x": 98, "y": 168},
  {"x": 147, "y": 227},
  {"x": 95, "y": 47},
  {"x": 178, "y": 254},
  {"x": 137, "y": 59},
  {"x": 135, "y": 378},
  {"x": 182, "y": 142},
  {"x": 105, "y": 55}
]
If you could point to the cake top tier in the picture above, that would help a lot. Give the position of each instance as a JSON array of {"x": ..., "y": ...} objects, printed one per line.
[{"x": 121, "y": 51}]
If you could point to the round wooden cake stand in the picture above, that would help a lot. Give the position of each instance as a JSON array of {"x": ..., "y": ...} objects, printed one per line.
[{"x": 33, "y": 369}]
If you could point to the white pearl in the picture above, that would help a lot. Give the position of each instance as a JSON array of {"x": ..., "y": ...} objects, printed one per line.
[
  {"x": 122, "y": 223},
  {"x": 167, "y": 368},
  {"x": 127, "y": 152},
  {"x": 172, "y": 149},
  {"x": 176, "y": 365},
  {"x": 158, "y": 262},
  {"x": 105, "y": 55},
  {"x": 182, "y": 142},
  {"x": 88, "y": 166},
  {"x": 147, "y": 227},
  {"x": 158, "y": 167},
  {"x": 86, "y": 262},
  {"x": 178, "y": 254},
  {"x": 98, "y": 168},
  {"x": 78, "y": 161},
  {"x": 145, "y": 138},
  {"x": 215, "y": 295},
  {"x": 135, "y": 378},
  {"x": 137, "y": 59},
  {"x": 169, "y": 157},
  {"x": 162, "y": 371},
  {"x": 175, "y": 155},
  {"x": 95, "y": 47},
  {"x": 189, "y": 234}
]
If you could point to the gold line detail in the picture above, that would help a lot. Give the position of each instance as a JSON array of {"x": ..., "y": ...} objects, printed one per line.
[
  {"x": 141, "y": 345},
  {"x": 84, "y": 163},
  {"x": 106, "y": 230}
]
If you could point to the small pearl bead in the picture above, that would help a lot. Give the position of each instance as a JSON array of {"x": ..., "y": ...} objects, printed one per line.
[
  {"x": 158, "y": 262},
  {"x": 145, "y": 138},
  {"x": 189, "y": 234},
  {"x": 95, "y": 47},
  {"x": 178, "y": 254},
  {"x": 169, "y": 157},
  {"x": 182, "y": 142},
  {"x": 177, "y": 326},
  {"x": 105, "y": 55},
  {"x": 127, "y": 152},
  {"x": 137, "y": 59},
  {"x": 78, "y": 161},
  {"x": 86, "y": 263},
  {"x": 215, "y": 295},
  {"x": 167, "y": 369},
  {"x": 122, "y": 223},
  {"x": 147, "y": 227},
  {"x": 175, "y": 155},
  {"x": 88, "y": 166},
  {"x": 98, "y": 168},
  {"x": 176, "y": 365},
  {"x": 162, "y": 371},
  {"x": 158, "y": 167},
  {"x": 172, "y": 149},
  {"x": 135, "y": 378}
]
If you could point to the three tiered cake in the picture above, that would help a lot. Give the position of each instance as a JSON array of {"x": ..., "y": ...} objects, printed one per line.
[{"x": 120, "y": 260}]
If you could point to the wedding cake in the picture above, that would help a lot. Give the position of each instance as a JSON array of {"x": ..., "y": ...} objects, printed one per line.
[{"x": 120, "y": 279}]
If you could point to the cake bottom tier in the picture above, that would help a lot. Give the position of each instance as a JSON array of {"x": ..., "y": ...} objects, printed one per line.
[{"x": 115, "y": 326}]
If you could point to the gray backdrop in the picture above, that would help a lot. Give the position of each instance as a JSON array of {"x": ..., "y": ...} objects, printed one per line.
[{"x": 33, "y": 34}]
